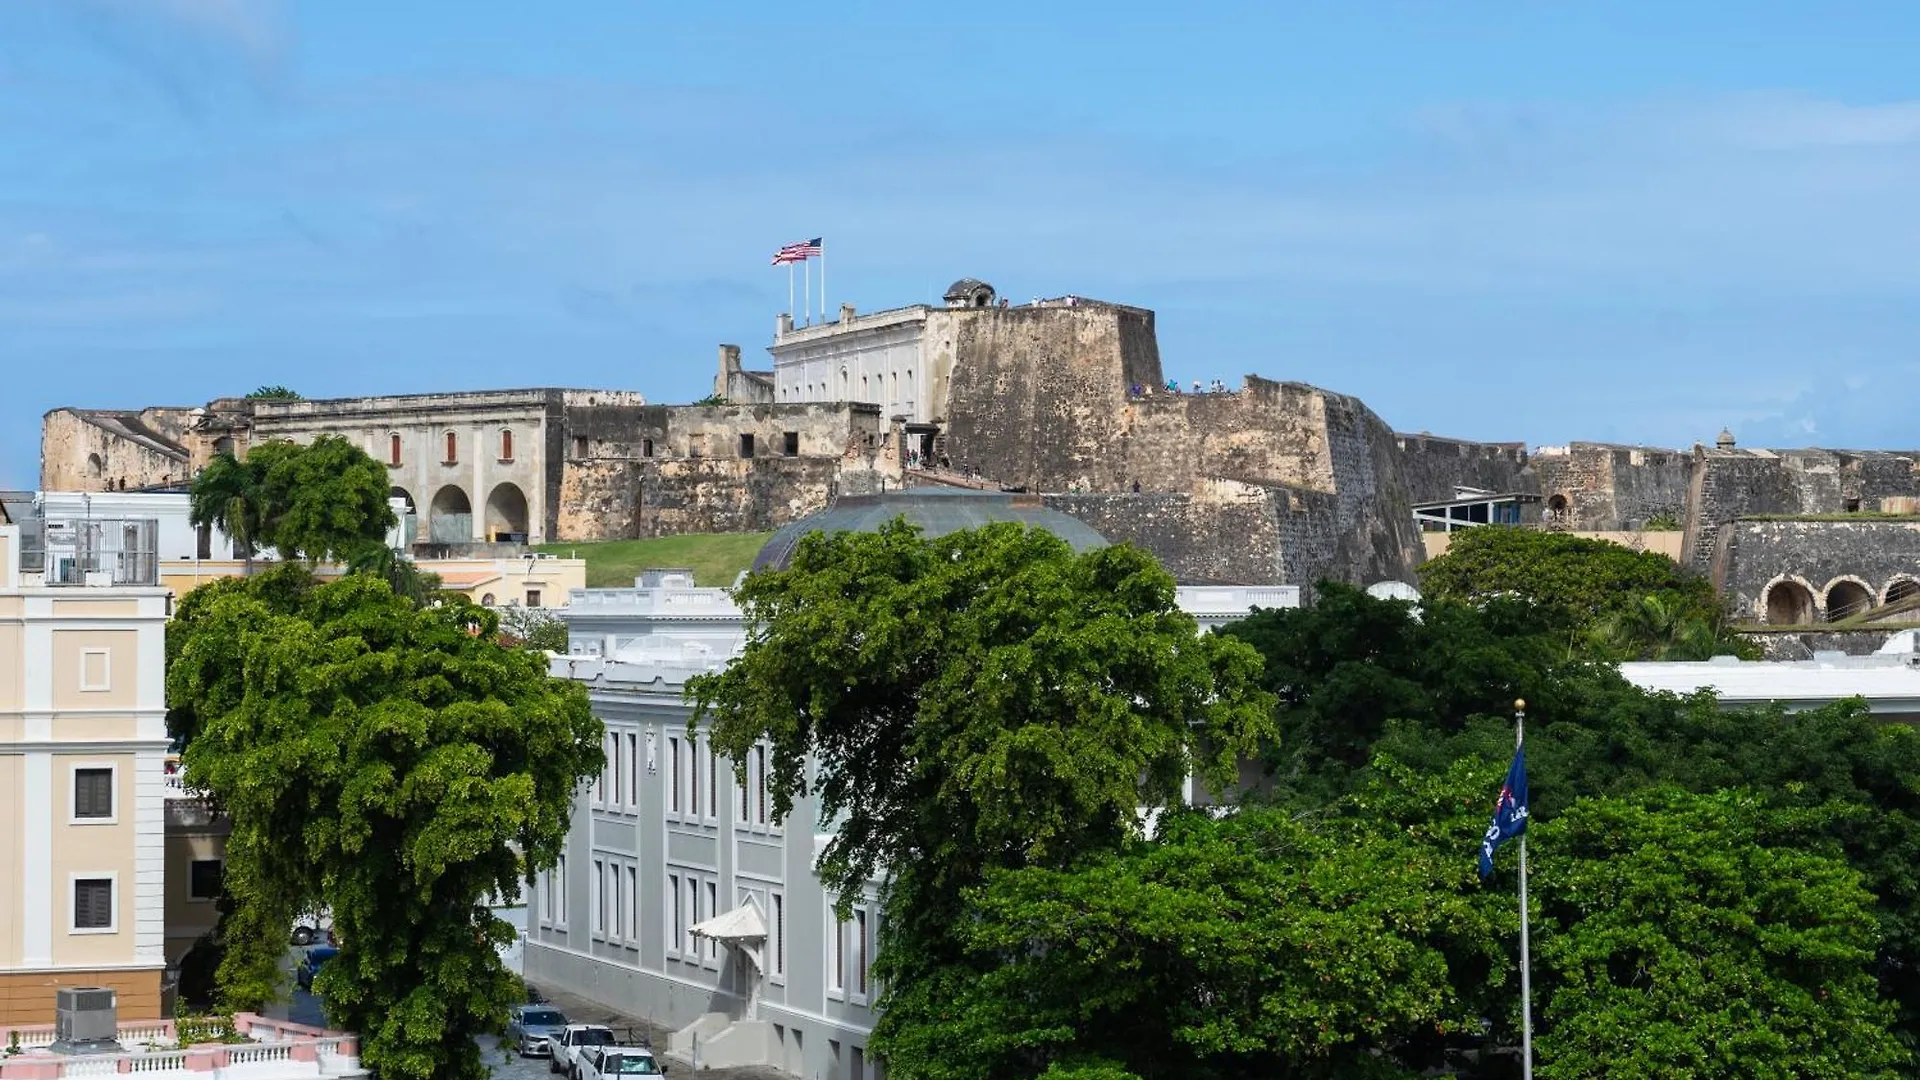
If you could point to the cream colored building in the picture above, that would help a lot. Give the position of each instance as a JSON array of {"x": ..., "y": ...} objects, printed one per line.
[{"x": 82, "y": 769}]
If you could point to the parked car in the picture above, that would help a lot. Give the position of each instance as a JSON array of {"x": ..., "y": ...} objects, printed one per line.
[
  {"x": 531, "y": 1026},
  {"x": 313, "y": 926},
  {"x": 570, "y": 1045},
  {"x": 607, "y": 1062},
  {"x": 311, "y": 963}
]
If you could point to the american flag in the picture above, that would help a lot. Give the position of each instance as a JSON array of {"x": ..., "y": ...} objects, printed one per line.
[{"x": 800, "y": 252}]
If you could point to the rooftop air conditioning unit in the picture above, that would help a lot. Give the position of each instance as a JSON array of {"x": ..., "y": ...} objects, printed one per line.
[{"x": 85, "y": 1020}]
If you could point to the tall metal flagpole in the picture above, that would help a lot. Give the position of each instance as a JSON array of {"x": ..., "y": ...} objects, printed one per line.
[
  {"x": 823, "y": 281},
  {"x": 806, "y": 284},
  {"x": 1526, "y": 959},
  {"x": 789, "y": 288}
]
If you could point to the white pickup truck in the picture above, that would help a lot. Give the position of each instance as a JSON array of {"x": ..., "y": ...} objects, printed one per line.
[
  {"x": 613, "y": 1062},
  {"x": 571, "y": 1044}
]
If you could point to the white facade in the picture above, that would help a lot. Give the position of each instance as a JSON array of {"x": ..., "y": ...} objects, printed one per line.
[
  {"x": 1889, "y": 680},
  {"x": 665, "y": 840},
  {"x": 179, "y": 540},
  {"x": 890, "y": 358}
]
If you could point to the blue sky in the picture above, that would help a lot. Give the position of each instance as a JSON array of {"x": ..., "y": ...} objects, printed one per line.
[{"x": 1626, "y": 221}]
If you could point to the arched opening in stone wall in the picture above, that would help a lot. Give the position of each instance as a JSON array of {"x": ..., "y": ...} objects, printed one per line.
[
  {"x": 223, "y": 445},
  {"x": 1847, "y": 598},
  {"x": 1557, "y": 507},
  {"x": 507, "y": 514},
  {"x": 450, "y": 518},
  {"x": 1901, "y": 588},
  {"x": 1789, "y": 603},
  {"x": 409, "y": 517},
  {"x": 96, "y": 468},
  {"x": 403, "y": 493}
]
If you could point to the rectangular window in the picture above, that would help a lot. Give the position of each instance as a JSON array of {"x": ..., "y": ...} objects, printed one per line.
[
  {"x": 93, "y": 794},
  {"x": 560, "y": 912},
  {"x": 646, "y": 447},
  {"x": 838, "y": 983},
  {"x": 746, "y": 444},
  {"x": 633, "y": 768},
  {"x": 673, "y": 775},
  {"x": 579, "y": 446},
  {"x": 674, "y": 925},
  {"x": 203, "y": 879},
  {"x": 790, "y": 443},
  {"x": 779, "y": 934},
  {"x": 93, "y": 904},
  {"x": 605, "y": 784},
  {"x": 741, "y": 783},
  {"x": 599, "y": 897},
  {"x": 633, "y": 916},
  {"x": 619, "y": 775},
  {"x": 506, "y": 445},
  {"x": 533, "y": 597},
  {"x": 453, "y": 448},
  {"x": 713, "y": 909},
  {"x": 760, "y": 784},
  {"x": 860, "y": 945},
  {"x": 713, "y": 782},
  {"x": 859, "y": 1064},
  {"x": 393, "y": 449},
  {"x": 693, "y": 776},
  {"x": 692, "y": 949},
  {"x": 617, "y": 920}
]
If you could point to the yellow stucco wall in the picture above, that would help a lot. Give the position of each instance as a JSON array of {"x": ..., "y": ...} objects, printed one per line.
[
  {"x": 87, "y": 849},
  {"x": 12, "y": 857},
  {"x": 73, "y": 658}
]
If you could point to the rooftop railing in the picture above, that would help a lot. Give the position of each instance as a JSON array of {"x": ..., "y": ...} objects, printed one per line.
[{"x": 94, "y": 551}]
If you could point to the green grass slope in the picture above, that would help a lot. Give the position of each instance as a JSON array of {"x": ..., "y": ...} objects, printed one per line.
[{"x": 715, "y": 559}]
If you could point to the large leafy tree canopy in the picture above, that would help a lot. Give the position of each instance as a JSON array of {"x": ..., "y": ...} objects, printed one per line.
[
  {"x": 983, "y": 699},
  {"x": 392, "y": 762},
  {"x": 1607, "y": 599},
  {"x": 323, "y": 500}
]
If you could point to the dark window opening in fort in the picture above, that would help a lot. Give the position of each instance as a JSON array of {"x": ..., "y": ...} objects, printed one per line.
[
  {"x": 790, "y": 444},
  {"x": 223, "y": 445},
  {"x": 646, "y": 447},
  {"x": 746, "y": 444},
  {"x": 95, "y": 466},
  {"x": 1846, "y": 599},
  {"x": 506, "y": 445},
  {"x": 579, "y": 446},
  {"x": 1852, "y": 506},
  {"x": 453, "y": 448},
  {"x": 393, "y": 449},
  {"x": 1903, "y": 589},
  {"x": 1558, "y": 505},
  {"x": 696, "y": 444},
  {"x": 1789, "y": 603}
]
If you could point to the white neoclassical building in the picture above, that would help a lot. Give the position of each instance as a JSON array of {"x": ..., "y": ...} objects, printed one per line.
[{"x": 679, "y": 898}]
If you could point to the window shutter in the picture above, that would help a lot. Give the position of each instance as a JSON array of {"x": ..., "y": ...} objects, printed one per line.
[
  {"x": 93, "y": 793},
  {"x": 92, "y": 904}
]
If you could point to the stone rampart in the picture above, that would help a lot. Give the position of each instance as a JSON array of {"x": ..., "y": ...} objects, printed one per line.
[
  {"x": 1435, "y": 467},
  {"x": 1798, "y": 571}
]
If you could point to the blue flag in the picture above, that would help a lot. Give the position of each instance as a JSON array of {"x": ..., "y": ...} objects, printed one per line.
[{"x": 1510, "y": 815}]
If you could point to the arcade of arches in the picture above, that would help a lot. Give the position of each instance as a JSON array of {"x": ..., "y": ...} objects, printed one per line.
[
  {"x": 450, "y": 516},
  {"x": 1791, "y": 602}
]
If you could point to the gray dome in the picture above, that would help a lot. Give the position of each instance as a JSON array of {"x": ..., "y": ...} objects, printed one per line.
[
  {"x": 969, "y": 292},
  {"x": 937, "y": 511}
]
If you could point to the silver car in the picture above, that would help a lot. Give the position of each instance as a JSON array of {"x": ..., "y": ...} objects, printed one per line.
[{"x": 530, "y": 1026}]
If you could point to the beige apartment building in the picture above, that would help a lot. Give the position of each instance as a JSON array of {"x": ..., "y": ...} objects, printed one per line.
[{"x": 82, "y": 767}]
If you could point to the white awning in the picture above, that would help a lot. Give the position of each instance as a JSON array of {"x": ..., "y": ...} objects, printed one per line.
[{"x": 742, "y": 924}]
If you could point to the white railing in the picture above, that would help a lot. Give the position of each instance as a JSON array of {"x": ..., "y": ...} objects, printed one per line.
[{"x": 279, "y": 1050}]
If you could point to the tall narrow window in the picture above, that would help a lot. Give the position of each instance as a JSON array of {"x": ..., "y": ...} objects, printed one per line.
[
  {"x": 839, "y": 983},
  {"x": 693, "y": 919},
  {"x": 633, "y": 768},
  {"x": 779, "y": 934},
  {"x": 560, "y": 913},
  {"x": 713, "y": 782},
  {"x": 741, "y": 783},
  {"x": 599, "y": 897},
  {"x": 93, "y": 904},
  {"x": 506, "y": 445},
  {"x": 693, "y": 777},
  {"x": 633, "y": 890},
  {"x": 453, "y": 448},
  {"x": 616, "y": 913},
  {"x": 393, "y": 449},
  {"x": 860, "y": 944},
  {"x": 674, "y": 925},
  {"x": 646, "y": 447},
  {"x": 713, "y": 909},
  {"x": 93, "y": 793},
  {"x": 579, "y": 446},
  {"x": 673, "y": 775},
  {"x": 760, "y": 784},
  {"x": 619, "y": 775}
]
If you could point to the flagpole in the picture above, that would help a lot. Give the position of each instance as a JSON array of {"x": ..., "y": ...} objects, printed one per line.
[
  {"x": 789, "y": 288},
  {"x": 823, "y": 281},
  {"x": 806, "y": 285},
  {"x": 1526, "y": 959}
]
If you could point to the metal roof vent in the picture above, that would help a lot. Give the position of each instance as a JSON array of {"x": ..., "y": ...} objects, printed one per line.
[{"x": 85, "y": 1021}]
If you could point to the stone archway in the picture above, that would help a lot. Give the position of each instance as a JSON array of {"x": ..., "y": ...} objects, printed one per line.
[
  {"x": 1847, "y": 597},
  {"x": 1900, "y": 588},
  {"x": 1788, "y": 603},
  {"x": 409, "y": 517},
  {"x": 507, "y": 514},
  {"x": 450, "y": 518}
]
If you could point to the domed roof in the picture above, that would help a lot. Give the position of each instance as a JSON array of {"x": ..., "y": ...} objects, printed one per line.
[
  {"x": 937, "y": 511},
  {"x": 965, "y": 288}
]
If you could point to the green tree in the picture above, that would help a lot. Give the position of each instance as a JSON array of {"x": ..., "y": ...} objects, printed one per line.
[
  {"x": 983, "y": 699},
  {"x": 533, "y": 628},
  {"x": 227, "y": 496},
  {"x": 274, "y": 393},
  {"x": 1676, "y": 942},
  {"x": 392, "y": 566},
  {"x": 392, "y": 762},
  {"x": 1578, "y": 583},
  {"x": 324, "y": 500}
]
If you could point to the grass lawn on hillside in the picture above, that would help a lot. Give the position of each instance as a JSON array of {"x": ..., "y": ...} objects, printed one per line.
[{"x": 715, "y": 559}]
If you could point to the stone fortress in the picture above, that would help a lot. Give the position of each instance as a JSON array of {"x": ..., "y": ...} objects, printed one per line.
[{"x": 1063, "y": 401}]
